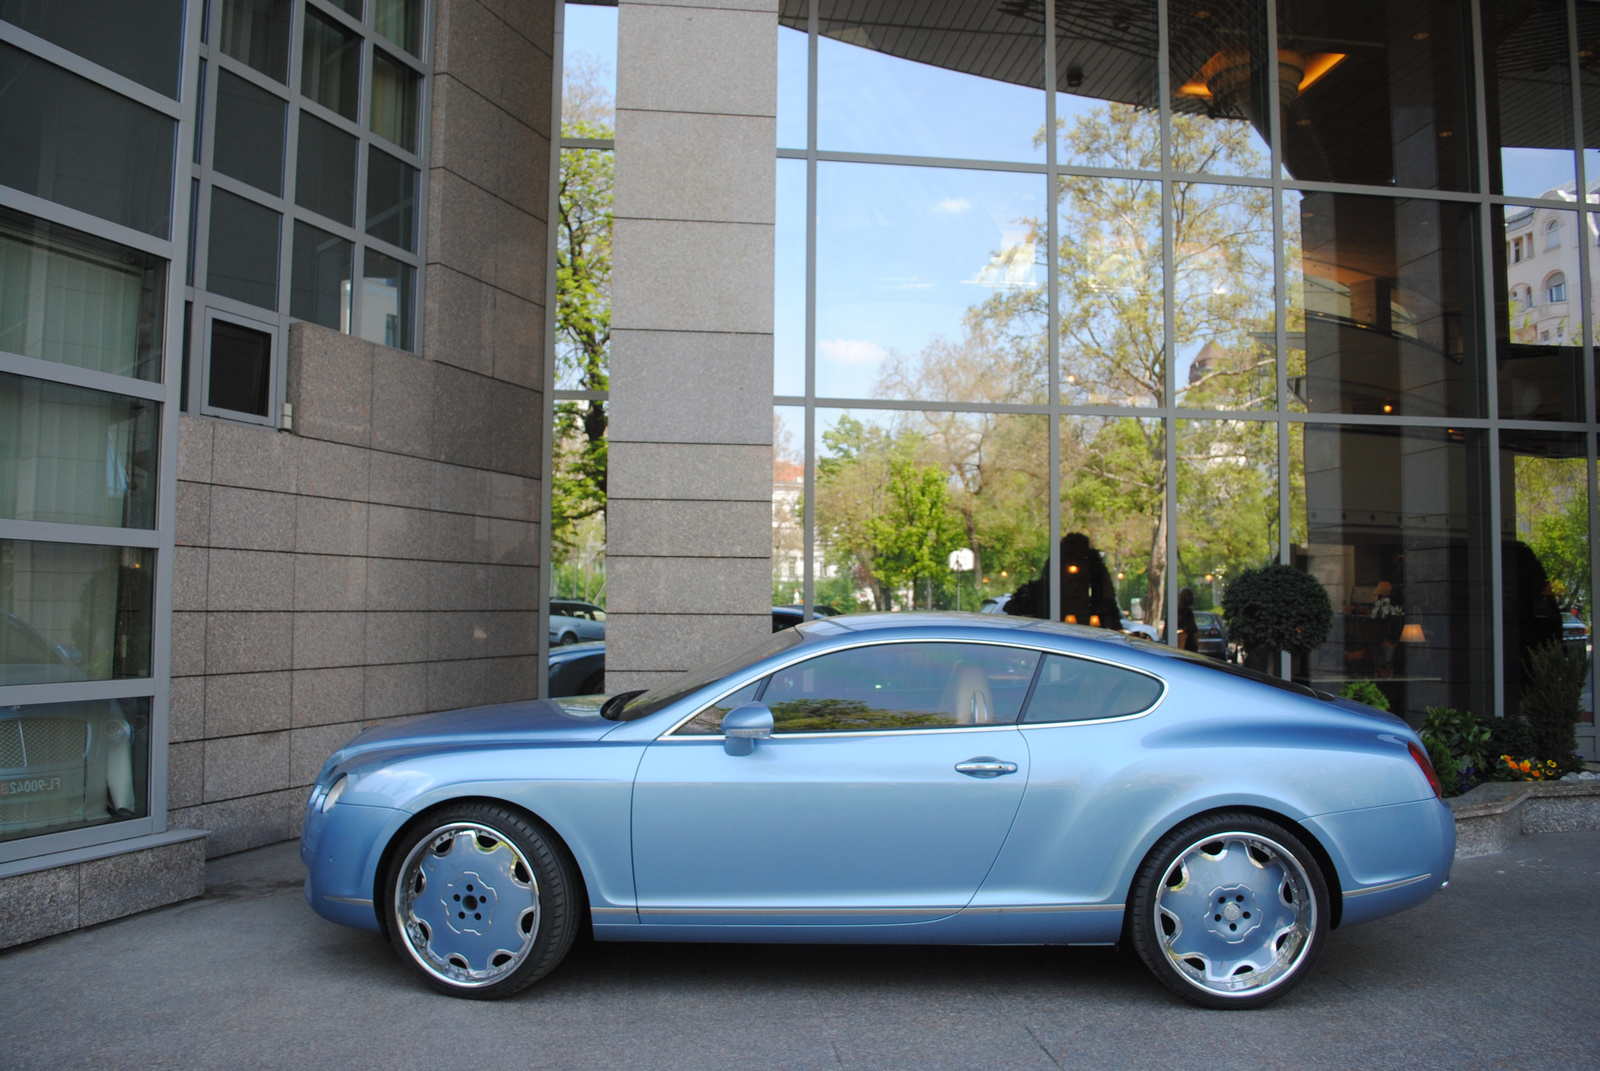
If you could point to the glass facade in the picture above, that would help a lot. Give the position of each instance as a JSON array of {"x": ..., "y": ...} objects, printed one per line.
[{"x": 1107, "y": 302}]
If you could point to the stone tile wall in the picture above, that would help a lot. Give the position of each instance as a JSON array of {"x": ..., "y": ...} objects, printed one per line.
[{"x": 46, "y": 902}]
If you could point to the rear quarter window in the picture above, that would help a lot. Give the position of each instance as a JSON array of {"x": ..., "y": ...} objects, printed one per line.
[{"x": 1076, "y": 689}]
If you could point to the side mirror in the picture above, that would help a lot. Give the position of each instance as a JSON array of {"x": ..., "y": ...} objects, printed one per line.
[{"x": 743, "y": 726}]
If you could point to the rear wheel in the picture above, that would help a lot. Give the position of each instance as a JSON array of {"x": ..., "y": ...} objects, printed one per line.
[
  {"x": 480, "y": 901},
  {"x": 1229, "y": 911},
  {"x": 566, "y": 639}
]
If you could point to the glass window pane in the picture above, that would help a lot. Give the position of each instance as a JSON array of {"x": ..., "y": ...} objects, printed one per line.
[
  {"x": 1544, "y": 554},
  {"x": 199, "y": 116},
  {"x": 1221, "y": 103},
  {"x": 788, "y": 506},
  {"x": 330, "y": 66},
  {"x": 1589, "y": 87},
  {"x": 792, "y": 87},
  {"x": 583, "y": 269},
  {"x": 1528, "y": 88},
  {"x": 1107, "y": 93},
  {"x": 72, "y": 765},
  {"x": 248, "y": 140},
  {"x": 589, "y": 71},
  {"x": 1392, "y": 104},
  {"x": 398, "y": 20},
  {"x": 709, "y": 721},
  {"x": 394, "y": 101},
  {"x": 789, "y": 320},
  {"x": 74, "y": 612},
  {"x": 325, "y": 170},
  {"x": 1225, "y": 340},
  {"x": 954, "y": 80},
  {"x": 578, "y": 502},
  {"x": 143, "y": 42},
  {"x": 68, "y": 297},
  {"x": 1383, "y": 305},
  {"x": 1538, "y": 324},
  {"x": 242, "y": 258},
  {"x": 901, "y": 686},
  {"x": 80, "y": 145},
  {"x": 256, "y": 33},
  {"x": 930, "y": 284},
  {"x": 240, "y": 369},
  {"x": 319, "y": 278},
  {"x": 1076, "y": 689},
  {"x": 386, "y": 301},
  {"x": 391, "y": 200},
  {"x": 1227, "y": 520},
  {"x": 1113, "y": 511},
  {"x": 1394, "y": 524},
  {"x": 75, "y": 456},
  {"x": 898, "y": 493},
  {"x": 350, "y": 7},
  {"x": 1110, "y": 269}
]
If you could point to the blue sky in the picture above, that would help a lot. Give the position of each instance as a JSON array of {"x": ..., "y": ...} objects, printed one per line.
[{"x": 593, "y": 31}]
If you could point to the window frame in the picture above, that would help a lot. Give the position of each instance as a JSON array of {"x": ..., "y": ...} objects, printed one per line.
[
  {"x": 210, "y": 315},
  {"x": 1160, "y": 696}
]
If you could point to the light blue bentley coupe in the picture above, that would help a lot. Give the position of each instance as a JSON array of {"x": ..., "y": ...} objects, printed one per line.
[{"x": 931, "y": 779}]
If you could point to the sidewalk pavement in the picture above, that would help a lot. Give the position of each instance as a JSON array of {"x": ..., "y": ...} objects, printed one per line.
[{"x": 1496, "y": 971}]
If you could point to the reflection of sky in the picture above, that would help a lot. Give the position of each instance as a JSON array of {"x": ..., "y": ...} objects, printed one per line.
[
  {"x": 1534, "y": 172},
  {"x": 789, "y": 343},
  {"x": 593, "y": 31},
  {"x": 791, "y": 88},
  {"x": 903, "y": 252}
]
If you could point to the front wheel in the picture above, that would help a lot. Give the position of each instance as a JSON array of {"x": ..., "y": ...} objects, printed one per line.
[
  {"x": 1229, "y": 911},
  {"x": 567, "y": 639},
  {"x": 480, "y": 902}
]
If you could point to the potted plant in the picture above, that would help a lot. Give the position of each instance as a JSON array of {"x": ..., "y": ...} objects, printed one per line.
[{"x": 1276, "y": 608}]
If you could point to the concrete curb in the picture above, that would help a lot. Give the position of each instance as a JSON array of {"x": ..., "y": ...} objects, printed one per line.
[{"x": 1490, "y": 816}]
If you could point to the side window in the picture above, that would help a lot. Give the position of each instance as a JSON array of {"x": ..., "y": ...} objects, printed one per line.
[
  {"x": 901, "y": 686},
  {"x": 709, "y": 721},
  {"x": 1076, "y": 689}
]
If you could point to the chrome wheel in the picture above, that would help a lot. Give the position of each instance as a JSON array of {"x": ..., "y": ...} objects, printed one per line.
[
  {"x": 1235, "y": 914},
  {"x": 466, "y": 905}
]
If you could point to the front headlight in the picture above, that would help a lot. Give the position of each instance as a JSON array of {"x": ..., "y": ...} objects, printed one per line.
[{"x": 334, "y": 792}]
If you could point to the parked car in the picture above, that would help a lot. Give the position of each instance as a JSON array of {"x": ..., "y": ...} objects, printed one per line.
[
  {"x": 789, "y": 616},
  {"x": 1573, "y": 630},
  {"x": 578, "y": 669},
  {"x": 1212, "y": 633},
  {"x": 1140, "y": 629},
  {"x": 889, "y": 778},
  {"x": 995, "y": 604},
  {"x": 572, "y": 621}
]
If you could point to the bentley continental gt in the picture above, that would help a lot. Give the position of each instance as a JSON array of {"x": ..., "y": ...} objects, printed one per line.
[{"x": 907, "y": 778}]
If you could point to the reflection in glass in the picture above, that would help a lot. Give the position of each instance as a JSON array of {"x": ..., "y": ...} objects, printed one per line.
[
  {"x": 788, "y": 506},
  {"x": 1392, "y": 105},
  {"x": 249, "y": 134},
  {"x": 1538, "y": 328},
  {"x": 954, "y": 80},
  {"x": 71, "y": 765},
  {"x": 898, "y": 493},
  {"x": 319, "y": 278},
  {"x": 1383, "y": 300},
  {"x": 400, "y": 21},
  {"x": 394, "y": 101},
  {"x": 1394, "y": 523},
  {"x": 240, "y": 376},
  {"x": 1227, "y": 517},
  {"x": 387, "y": 293},
  {"x": 325, "y": 170},
  {"x": 578, "y": 502},
  {"x": 1589, "y": 88},
  {"x": 1113, "y": 492},
  {"x": 793, "y": 53},
  {"x": 391, "y": 200},
  {"x": 789, "y": 320},
  {"x": 242, "y": 261},
  {"x": 330, "y": 65},
  {"x": 583, "y": 269},
  {"x": 1112, "y": 339},
  {"x": 1544, "y": 552},
  {"x": 1107, "y": 94},
  {"x": 1221, "y": 103},
  {"x": 74, "y": 612},
  {"x": 930, "y": 284},
  {"x": 68, "y": 297},
  {"x": 75, "y": 456},
  {"x": 1528, "y": 88},
  {"x": 143, "y": 41},
  {"x": 589, "y": 70},
  {"x": 256, "y": 33},
  {"x": 1224, "y": 339},
  {"x": 79, "y": 144}
]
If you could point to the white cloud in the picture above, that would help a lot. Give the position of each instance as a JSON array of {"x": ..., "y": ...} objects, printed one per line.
[
  {"x": 954, "y": 204},
  {"x": 851, "y": 350}
]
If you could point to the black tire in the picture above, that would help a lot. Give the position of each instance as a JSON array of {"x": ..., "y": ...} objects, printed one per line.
[
  {"x": 498, "y": 952},
  {"x": 594, "y": 684},
  {"x": 567, "y": 639},
  {"x": 1273, "y": 889}
]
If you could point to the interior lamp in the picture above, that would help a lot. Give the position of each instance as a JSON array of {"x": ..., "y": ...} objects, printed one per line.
[{"x": 1412, "y": 634}]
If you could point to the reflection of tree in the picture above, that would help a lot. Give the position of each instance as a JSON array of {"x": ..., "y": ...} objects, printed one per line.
[
  {"x": 1227, "y": 500},
  {"x": 843, "y": 715},
  {"x": 1553, "y": 518}
]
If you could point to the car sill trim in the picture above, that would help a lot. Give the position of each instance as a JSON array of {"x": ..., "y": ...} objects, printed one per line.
[
  {"x": 1386, "y": 886},
  {"x": 356, "y": 900}
]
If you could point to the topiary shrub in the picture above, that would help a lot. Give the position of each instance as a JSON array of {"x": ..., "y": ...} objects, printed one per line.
[
  {"x": 1365, "y": 692},
  {"x": 1277, "y": 608},
  {"x": 1552, "y": 702},
  {"x": 1461, "y": 733}
]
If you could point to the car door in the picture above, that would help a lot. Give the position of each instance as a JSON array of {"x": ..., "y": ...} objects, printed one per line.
[{"x": 884, "y": 794}]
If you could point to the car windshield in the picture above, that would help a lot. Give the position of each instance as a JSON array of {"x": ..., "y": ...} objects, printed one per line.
[
  {"x": 655, "y": 699},
  {"x": 1233, "y": 669}
]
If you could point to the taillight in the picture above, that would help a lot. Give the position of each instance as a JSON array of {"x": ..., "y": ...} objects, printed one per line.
[{"x": 1421, "y": 758}]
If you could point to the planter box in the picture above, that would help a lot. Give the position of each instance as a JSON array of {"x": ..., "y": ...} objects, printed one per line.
[{"x": 1488, "y": 817}]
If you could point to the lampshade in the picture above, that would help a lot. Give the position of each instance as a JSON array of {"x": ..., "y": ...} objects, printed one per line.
[{"x": 1412, "y": 634}]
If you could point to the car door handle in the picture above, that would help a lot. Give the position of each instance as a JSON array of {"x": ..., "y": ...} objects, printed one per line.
[{"x": 985, "y": 767}]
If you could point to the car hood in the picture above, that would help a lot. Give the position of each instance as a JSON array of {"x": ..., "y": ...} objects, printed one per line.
[{"x": 534, "y": 721}]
